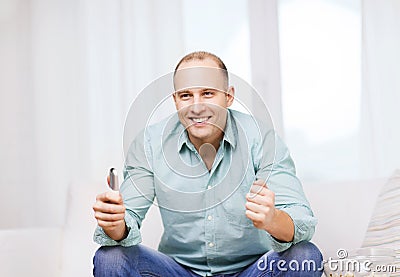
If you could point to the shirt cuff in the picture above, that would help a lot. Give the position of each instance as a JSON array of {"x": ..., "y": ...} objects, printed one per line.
[
  {"x": 304, "y": 227},
  {"x": 279, "y": 246},
  {"x": 304, "y": 222},
  {"x": 133, "y": 237}
]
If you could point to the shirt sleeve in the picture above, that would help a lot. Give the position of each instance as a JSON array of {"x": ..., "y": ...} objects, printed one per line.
[
  {"x": 137, "y": 191},
  {"x": 278, "y": 169}
]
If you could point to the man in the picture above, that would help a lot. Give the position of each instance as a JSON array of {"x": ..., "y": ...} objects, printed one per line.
[{"x": 230, "y": 202}]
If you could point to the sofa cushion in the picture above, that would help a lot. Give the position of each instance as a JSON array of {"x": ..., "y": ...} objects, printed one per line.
[{"x": 33, "y": 252}]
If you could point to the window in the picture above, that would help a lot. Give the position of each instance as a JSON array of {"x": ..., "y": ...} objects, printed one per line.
[{"x": 320, "y": 48}]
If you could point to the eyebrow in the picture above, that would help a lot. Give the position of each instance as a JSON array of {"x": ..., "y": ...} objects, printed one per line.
[
  {"x": 201, "y": 90},
  {"x": 182, "y": 91}
]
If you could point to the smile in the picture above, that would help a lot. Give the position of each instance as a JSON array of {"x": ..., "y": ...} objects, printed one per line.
[{"x": 199, "y": 119}]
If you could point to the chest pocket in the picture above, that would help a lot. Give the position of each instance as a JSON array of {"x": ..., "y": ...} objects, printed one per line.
[{"x": 235, "y": 209}]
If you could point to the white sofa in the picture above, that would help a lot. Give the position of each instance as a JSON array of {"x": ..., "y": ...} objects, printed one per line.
[{"x": 343, "y": 210}]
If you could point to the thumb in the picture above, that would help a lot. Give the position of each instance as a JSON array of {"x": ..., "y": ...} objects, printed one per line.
[{"x": 260, "y": 182}]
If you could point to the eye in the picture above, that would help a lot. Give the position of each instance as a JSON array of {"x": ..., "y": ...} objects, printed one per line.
[
  {"x": 184, "y": 96},
  {"x": 208, "y": 93}
]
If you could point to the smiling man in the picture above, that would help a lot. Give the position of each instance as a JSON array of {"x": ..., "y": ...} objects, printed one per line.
[
  {"x": 230, "y": 202},
  {"x": 203, "y": 110}
]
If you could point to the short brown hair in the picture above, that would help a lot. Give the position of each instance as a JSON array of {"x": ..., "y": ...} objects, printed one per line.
[{"x": 202, "y": 55}]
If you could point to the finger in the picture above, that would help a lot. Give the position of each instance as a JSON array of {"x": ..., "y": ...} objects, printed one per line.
[
  {"x": 257, "y": 189},
  {"x": 255, "y": 217},
  {"x": 260, "y": 183},
  {"x": 108, "y": 179},
  {"x": 256, "y": 208},
  {"x": 108, "y": 208},
  {"x": 108, "y": 224},
  {"x": 108, "y": 217},
  {"x": 110, "y": 197},
  {"x": 264, "y": 200}
]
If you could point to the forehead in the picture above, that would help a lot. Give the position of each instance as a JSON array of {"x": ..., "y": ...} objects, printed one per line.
[
  {"x": 207, "y": 62},
  {"x": 200, "y": 74}
]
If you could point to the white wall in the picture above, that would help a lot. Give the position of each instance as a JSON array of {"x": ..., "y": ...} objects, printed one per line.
[{"x": 343, "y": 210}]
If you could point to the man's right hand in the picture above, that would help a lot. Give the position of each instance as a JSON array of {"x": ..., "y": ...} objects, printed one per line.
[{"x": 109, "y": 210}]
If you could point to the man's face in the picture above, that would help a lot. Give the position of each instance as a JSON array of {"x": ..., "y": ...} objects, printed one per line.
[{"x": 202, "y": 97}]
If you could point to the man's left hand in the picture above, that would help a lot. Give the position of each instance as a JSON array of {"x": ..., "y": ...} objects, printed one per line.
[{"x": 260, "y": 206}]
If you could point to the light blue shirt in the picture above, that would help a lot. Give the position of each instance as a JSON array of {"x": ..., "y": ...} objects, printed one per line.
[{"x": 203, "y": 212}]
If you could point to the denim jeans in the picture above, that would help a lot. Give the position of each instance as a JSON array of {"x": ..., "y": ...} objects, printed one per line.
[{"x": 302, "y": 259}]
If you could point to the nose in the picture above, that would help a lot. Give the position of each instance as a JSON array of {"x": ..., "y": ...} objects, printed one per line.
[{"x": 198, "y": 106}]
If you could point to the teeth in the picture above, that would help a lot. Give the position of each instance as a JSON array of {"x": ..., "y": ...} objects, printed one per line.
[{"x": 199, "y": 120}]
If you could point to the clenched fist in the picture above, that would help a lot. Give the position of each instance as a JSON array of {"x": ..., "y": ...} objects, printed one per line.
[
  {"x": 109, "y": 210},
  {"x": 260, "y": 208}
]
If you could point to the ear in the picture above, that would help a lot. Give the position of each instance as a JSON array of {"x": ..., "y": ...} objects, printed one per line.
[
  {"x": 174, "y": 96},
  {"x": 230, "y": 96}
]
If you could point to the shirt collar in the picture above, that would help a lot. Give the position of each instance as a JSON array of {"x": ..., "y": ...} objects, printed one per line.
[
  {"x": 230, "y": 130},
  {"x": 229, "y": 134}
]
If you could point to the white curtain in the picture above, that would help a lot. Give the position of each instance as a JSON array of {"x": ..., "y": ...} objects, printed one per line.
[
  {"x": 379, "y": 132},
  {"x": 380, "y": 140},
  {"x": 265, "y": 59},
  {"x": 68, "y": 73}
]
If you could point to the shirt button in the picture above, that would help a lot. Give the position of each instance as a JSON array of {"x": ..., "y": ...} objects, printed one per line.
[
  {"x": 210, "y": 244},
  {"x": 209, "y": 217},
  {"x": 208, "y": 187}
]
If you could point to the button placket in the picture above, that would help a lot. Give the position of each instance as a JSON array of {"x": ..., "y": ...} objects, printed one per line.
[{"x": 209, "y": 226}]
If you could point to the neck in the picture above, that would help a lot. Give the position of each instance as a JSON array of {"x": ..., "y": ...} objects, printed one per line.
[
  {"x": 207, "y": 149},
  {"x": 214, "y": 141}
]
